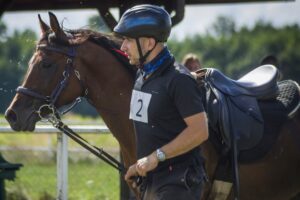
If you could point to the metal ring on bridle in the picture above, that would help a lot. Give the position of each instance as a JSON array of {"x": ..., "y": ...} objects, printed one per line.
[
  {"x": 50, "y": 115},
  {"x": 69, "y": 60},
  {"x": 66, "y": 74}
]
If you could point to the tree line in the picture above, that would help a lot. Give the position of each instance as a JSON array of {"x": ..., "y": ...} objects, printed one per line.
[{"x": 234, "y": 51}]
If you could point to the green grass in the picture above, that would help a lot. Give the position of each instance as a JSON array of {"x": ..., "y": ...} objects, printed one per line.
[
  {"x": 89, "y": 178},
  {"x": 69, "y": 118},
  {"x": 36, "y": 140},
  {"x": 87, "y": 181},
  {"x": 100, "y": 185}
]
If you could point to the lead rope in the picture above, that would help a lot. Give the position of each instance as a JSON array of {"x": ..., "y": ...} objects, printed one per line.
[{"x": 55, "y": 120}]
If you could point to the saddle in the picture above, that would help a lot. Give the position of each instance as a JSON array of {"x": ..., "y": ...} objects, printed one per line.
[
  {"x": 245, "y": 115},
  {"x": 232, "y": 107},
  {"x": 260, "y": 83}
]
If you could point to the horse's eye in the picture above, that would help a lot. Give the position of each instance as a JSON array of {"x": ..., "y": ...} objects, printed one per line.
[{"x": 46, "y": 64}]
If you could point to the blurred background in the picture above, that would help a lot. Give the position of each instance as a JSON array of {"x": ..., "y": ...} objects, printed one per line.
[{"x": 232, "y": 37}]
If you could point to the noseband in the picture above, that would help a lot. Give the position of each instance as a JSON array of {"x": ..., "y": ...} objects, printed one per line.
[{"x": 52, "y": 99}]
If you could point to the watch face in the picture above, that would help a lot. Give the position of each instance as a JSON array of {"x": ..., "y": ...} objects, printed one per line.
[{"x": 160, "y": 155}]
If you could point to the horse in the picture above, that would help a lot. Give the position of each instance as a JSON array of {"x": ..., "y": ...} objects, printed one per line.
[
  {"x": 93, "y": 66},
  {"x": 110, "y": 95}
]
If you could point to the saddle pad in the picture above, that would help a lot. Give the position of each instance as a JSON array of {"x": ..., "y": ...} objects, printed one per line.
[
  {"x": 275, "y": 113},
  {"x": 289, "y": 96}
]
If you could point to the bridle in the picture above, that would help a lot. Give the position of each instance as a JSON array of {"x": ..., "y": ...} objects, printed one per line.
[
  {"x": 51, "y": 100},
  {"x": 54, "y": 116}
]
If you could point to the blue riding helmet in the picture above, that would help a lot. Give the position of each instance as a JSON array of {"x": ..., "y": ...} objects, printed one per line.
[{"x": 145, "y": 21}]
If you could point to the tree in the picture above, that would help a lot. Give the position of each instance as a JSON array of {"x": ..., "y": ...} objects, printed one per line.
[
  {"x": 236, "y": 52},
  {"x": 97, "y": 23},
  {"x": 223, "y": 27},
  {"x": 233, "y": 51},
  {"x": 15, "y": 53},
  {"x": 2, "y": 29}
]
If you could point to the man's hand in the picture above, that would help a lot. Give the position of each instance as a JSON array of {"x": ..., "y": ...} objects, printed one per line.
[
  {"x": 129, "y": 176},
  {"x": 141, "y": 168},
  {"x": 131, "y": 172},
  {"x": 146, "y": 164}
]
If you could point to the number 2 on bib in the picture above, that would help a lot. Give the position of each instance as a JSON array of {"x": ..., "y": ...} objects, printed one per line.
[{"x": 139, "y": 106}]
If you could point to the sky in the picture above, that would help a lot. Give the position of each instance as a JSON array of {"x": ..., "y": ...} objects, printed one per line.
[{"x": 198, "y": 18}]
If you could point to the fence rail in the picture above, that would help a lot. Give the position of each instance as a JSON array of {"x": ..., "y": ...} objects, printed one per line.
[
  {"x": 51, "y": 129},
  {"x": 62, "y": 150}
]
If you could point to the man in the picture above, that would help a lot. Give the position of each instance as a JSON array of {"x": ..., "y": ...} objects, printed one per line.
[
  {"x": 192, "y": 62},
  {"x": 166, "y": 110}
]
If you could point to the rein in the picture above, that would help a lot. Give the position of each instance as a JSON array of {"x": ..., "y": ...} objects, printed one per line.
[
  {"x": 99, "y": 152},
  {"x": 54, "y": 116}
]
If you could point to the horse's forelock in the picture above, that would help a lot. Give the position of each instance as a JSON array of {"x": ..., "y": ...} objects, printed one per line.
[{"x": 54, "y": 39}]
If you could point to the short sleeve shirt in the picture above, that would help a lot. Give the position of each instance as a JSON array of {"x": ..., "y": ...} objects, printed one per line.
[{"x": 160, "y": 104}]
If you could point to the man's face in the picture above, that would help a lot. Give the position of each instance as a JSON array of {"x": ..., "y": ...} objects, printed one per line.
[
  {"x": 193, "y": 65},
  {"x": 129, "y": 46}
]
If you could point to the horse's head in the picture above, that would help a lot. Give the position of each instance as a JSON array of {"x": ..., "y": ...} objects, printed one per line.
[{"x": 52, "y": 79}]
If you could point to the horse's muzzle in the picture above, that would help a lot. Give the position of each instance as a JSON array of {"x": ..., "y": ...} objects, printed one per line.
[{"x": 20, "y": 121}]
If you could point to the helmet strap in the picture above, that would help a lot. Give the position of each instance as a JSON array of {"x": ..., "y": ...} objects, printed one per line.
[{"x": 143, "y": 58}]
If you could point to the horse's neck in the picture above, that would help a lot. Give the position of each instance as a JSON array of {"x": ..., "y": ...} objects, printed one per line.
[{"x": 109, "y": 90}]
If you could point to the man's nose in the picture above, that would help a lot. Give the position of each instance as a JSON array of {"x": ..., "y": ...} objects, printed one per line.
[{"x": 123, "y": 46}]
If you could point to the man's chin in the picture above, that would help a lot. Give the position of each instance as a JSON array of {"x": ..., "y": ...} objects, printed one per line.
[{"x": 133, "y": 62}]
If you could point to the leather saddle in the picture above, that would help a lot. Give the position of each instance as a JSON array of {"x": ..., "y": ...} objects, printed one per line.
[
  {"x": 236, "y": 110},
  {"x": 231, "y": 105},
  {"x": 260, "y": 83}
]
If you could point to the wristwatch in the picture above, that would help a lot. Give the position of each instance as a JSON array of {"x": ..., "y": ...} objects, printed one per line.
[{"x": 161, "y": 156}]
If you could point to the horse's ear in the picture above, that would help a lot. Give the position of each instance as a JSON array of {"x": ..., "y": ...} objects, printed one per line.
[
  {"x": 55, "y": 26},
  {"x": 269, "y": 59},
  {"x": 43, "y": 25}
]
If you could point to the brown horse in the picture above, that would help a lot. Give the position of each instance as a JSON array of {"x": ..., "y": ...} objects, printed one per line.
[{"x": 91, "y": 65}]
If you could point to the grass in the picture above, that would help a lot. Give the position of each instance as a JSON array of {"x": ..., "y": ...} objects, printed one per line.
[
  {"x": 69, "y": 118},
  {"x": 102, "y": 184},
  {"x": 87, "y": 181},
  {"x": 37, "y": 140},
  {"x": 89, "y": 178}
]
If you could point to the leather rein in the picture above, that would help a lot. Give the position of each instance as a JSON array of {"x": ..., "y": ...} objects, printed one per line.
[{"x": 54, "y": 116}]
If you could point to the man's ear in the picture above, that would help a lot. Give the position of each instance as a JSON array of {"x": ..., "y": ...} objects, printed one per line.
[{"x": 152, "y": 43}]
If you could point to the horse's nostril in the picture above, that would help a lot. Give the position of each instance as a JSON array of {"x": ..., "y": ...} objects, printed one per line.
[{"x": 11, "y": 116}]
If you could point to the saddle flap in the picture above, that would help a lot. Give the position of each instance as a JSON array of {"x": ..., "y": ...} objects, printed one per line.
[
  {"x": 247, "y": 129},
  {"x": 238, "y": 115},
  {"x": 260, "y": 83}
]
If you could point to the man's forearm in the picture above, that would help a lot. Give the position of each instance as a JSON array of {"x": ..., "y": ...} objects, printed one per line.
[{"x": 193, "y": 135}]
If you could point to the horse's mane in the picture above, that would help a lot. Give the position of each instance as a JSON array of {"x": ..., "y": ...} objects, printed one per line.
[
  {"x": 108, "y": 41},
  {"x": 81, "y": 35}
]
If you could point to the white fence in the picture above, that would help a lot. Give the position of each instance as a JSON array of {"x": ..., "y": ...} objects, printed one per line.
[{"x": 62, "y": 151}]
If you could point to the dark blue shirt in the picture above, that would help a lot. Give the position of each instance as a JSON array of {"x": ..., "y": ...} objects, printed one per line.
[{"x": 159, "y": 105}]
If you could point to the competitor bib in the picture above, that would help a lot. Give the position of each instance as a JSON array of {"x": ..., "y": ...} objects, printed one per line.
[{"x": 139, "y": 106}]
